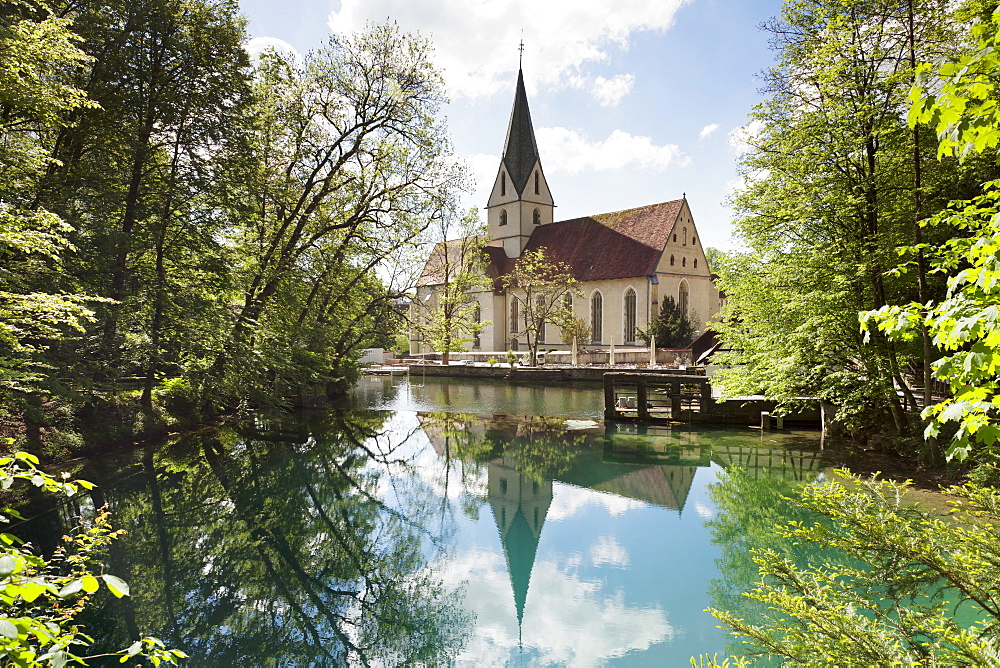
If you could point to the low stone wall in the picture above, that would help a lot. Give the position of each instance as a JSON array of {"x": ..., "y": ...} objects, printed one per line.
[
  {"x": 627, "y": 356},
  {"x": 547, "y": 373}
]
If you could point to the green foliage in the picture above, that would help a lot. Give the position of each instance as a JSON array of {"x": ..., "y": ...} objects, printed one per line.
[
  {"x": 539, "y": 285},
  {"x": 179, "y": 398},
  {"x": 576, "y": 329},
  {"x": 41, "y": 598},
  {"x": 447, "y": 310},
  {"x": 965, "y": 325},
  {"x": 907, "y": 588},
  {"x": 956, "y": 93},
  {"x": 671, "y": 328},
  {"x": 830, "y": 193}
]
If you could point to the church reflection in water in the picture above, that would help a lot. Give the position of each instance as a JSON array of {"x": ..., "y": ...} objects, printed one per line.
[{"x": 654, "y": 465}]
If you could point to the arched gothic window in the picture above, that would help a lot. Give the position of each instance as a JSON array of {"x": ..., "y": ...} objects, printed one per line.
[
  {"x": 596, "y": 317},
  {"x": 513, "y": 315},
  {"x": 503, "y": 216},
  {"x": 536, "y": 217},
  {"x": 696, "y": 263},
  {"x": 539, "y": 307},
  {"x": 477, "y": 315},
  {"x": 630, "y": 309},
  {"x": 682, "y": 298},
  {"x": 684, "y": 237}
]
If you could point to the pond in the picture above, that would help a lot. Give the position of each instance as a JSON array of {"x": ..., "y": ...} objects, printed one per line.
[{"x": 442, "y": 522}]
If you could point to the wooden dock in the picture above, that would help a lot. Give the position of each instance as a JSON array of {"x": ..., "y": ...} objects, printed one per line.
[{"x": 674, "y": 397}]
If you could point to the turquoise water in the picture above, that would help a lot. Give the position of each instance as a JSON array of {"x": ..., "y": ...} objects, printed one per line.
[{"x": 442, "y": 523}]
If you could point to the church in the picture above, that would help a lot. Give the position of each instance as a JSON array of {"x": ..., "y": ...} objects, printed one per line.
[{"x": 625, "y": 261}]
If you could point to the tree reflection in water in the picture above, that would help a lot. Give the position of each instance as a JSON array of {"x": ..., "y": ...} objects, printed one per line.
[{"x": 271, "y": 545}]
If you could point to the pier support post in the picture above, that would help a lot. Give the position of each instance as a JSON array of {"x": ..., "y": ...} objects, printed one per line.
[
  {"x": 610, "y": 411},
  {"x": 641, "y": 399}
]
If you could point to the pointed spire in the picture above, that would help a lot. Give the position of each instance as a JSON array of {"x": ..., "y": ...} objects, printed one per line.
[{"x": 520, "y": 152}]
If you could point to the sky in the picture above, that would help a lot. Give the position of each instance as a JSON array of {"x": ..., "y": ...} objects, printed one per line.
[{"x": 634, "y": 102}]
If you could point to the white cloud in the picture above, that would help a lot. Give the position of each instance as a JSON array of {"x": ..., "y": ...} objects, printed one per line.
[
  {"x": 566, "y": 150},
  {"x": 569, "y": 620},
  {"x": 703, "y": 510},
  {"x": 741, "y": 139},
  {"x": 608, "y": 552},
  {"x": 609, "y": 92},
  {"x": 708, "y": 130},
  {"x": 568, "y": 500},
  {"x": 476, "y": 41},
  {"x": 258, "y": 45}
]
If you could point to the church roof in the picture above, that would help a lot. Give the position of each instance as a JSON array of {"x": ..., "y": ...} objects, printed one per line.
[
  {"x": 623, "y": 244},
  {"x": 520, "y": 152},
  {"x": 456, "y": 252}
]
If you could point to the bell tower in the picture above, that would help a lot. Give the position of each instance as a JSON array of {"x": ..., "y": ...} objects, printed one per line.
[{"x": 520, "y": 199}]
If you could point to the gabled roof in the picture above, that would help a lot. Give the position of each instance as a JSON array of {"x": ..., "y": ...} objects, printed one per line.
[
  {"x": 520, "y": 152},
  {"x": 450, "y": 251},
  {"x": 623, "y": 244}
]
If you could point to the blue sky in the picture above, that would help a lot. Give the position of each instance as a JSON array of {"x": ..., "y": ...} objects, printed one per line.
[{"x": 634, "y": 102}]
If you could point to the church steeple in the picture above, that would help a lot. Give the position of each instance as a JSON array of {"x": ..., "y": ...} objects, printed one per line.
[
  {"x": 520, "y": 199},
  {"x": 520, "y": 152}
]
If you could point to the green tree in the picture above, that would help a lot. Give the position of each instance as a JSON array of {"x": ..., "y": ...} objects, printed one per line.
[
  {"x": 828, "y": 198},
  {"x": 966, "y": 323},
  {"x": 447, "y": 309},
  {"x": 576, "y": 329},
  {"x": 339, "y": 167},
  {"x": 38, "y": 52},
  {"x": 130, "y": 175},
  {"x": 671, "y": 328},
  {"x": 539, "y": 286},
  {"x": 902, "y": 587}
]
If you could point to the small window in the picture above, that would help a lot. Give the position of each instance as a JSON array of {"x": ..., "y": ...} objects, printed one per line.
[
  {"x": 536, "y": 182},
  {"x": 696, "y": 263},
  {"x": 503, "y": 216},
  {"x": 671, "y": 260},
  {"x": 503, "y": 183},
  {"x": 684, "y": 237},
  {"x": 684, "y": 262},
  {"x": 694, "y": 240},
  {"x": 536, "y": 217},
  {"x": 675, "y": 238}
]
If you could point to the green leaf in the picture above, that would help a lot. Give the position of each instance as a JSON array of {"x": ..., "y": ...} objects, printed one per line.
[
  {"x": 117, "y": 586},
  {"x": 90, "y": 584}
]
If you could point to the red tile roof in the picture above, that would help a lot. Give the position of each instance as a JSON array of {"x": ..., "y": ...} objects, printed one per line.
[{"x": 623, "y": 244}]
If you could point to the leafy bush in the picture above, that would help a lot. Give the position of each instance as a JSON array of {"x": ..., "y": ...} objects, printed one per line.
[
  {"x": 40, "y": 598},
  {"x": 179, "y": 398}
]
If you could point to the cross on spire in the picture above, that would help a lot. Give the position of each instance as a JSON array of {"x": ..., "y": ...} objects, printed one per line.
[{"x": 520, "y": 49}]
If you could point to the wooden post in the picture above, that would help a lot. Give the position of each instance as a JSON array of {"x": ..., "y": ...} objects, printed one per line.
[
  {"x": 610, "y": 410},
  {"x": 640, "y": 399}
]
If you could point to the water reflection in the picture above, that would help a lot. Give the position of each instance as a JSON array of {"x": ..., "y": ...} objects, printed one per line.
[
  {"x": 577, "y": 593},
  {"x": 359, "y": 536},
  {"x": 269, "y": 544}
]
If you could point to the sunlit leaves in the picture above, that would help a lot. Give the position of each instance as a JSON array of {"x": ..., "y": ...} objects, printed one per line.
[{"x": 888, "y": 595}]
